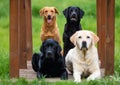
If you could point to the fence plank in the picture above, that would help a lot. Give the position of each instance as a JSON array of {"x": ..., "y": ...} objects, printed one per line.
[
  {"x": 110, "y": 37},
  {"x": 105, "y": 29},
  {"x": 14, "y": 53},
  {"x": 101, "y": 25},
  {"x": 29, "y": 28},
  {"x": 22, "y": 35}
]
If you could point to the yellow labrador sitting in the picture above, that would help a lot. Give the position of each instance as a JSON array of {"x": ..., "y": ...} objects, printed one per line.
[{"x": 83, "y": 60}]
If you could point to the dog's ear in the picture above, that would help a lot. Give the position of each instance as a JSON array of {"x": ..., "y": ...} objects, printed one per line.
[
  {"x": 81, "y": 12},
  {"x": 73, "y": 38},
  {"x": 42, "y": 48},
  {"x": 58, "y": 48},
  {"x": 65, "y": 12},
  {"x": 41, "y": 12},
  {"x": 56, "y": 11},
  {"x": 95, "y": 38}
]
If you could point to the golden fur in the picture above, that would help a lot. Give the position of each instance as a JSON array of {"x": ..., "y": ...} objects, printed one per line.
[{"x": 49, "y": 28}]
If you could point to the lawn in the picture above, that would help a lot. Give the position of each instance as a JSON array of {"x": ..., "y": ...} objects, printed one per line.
[{"x": 88, "y": 22}]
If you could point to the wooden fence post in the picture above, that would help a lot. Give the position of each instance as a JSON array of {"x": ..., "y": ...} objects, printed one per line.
[
  {"x": 105, "y": 29},
  {"x": 29, "y": 28},
  {"x": 14, "y": 53},
  {"x": 20, "y": 35}
]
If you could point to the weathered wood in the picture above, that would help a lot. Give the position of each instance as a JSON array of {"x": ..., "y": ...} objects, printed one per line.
[
  {"x": 110, "y": 32},
  {"x": 105, "y": 29},
  {"x": 101, "y": 29},
  {"x": 29, "y": 28},
  {"x": 14, "y": 53},
  {"x": 22, "y": 34}
]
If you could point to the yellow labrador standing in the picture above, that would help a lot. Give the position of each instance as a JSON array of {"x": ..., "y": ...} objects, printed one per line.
[{"x": 83, "y": 58}]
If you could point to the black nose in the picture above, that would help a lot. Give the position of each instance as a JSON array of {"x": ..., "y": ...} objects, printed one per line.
[
  {"x": 49, "y": 53},
  {"x": 49, "y": 16},
  {"x": 84, "y": 45},
  {"x": 73, "y": 15}
]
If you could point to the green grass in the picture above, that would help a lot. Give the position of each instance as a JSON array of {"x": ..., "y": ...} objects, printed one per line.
[
  {"x": 88, "y": 22},
  {"x": 21, "y": 81}
]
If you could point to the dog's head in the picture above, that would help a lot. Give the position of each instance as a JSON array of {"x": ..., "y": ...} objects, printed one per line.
[
  {"x": 51, "y": 49},
  {"x": 49, "y": 13},
  {"x": 84, "y": 39},
  {"x": 73, "y": 14}
]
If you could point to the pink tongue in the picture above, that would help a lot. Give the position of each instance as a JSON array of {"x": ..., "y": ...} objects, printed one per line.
[{"x": 49, "y": 21}]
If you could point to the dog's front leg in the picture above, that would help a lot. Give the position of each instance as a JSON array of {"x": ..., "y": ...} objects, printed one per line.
[
  {"x": 94, "y": 75},
  {"x": 64, "y": 75},
  {"x": 39, "y": 74},
  {"x": 77, "y": 77}
]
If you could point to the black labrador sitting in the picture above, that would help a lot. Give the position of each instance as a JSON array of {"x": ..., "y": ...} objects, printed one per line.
[
  {"x": 49, "y": 62},
  {"x": 73, "y": 16}
]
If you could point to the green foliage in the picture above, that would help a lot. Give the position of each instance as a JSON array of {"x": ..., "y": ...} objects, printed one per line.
[
  {"x": 4, "y": 8},
  {"x": 22, "y": 81},
  {"x": 117, "y": 8}
]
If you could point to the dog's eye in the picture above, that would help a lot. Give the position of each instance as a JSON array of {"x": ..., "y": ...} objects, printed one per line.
[
  {"x": 88, "y": 36},
  {"x": 76, "y": 10},
  {"x": 52, "y": 11},
  {"x": 79, "y": 37},
  {"x": 71, "y": 10},
  {"x": 46, "y": 11}
]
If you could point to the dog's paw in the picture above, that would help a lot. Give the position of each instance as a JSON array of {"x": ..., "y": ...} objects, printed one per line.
[
  {"x": 90, "y": 78},
  {"x": 77, "y": 77},
  {"x": 64, "y": 75},
  {"x": 39, "y": 75},
  {"x": 77, "y": 80}
]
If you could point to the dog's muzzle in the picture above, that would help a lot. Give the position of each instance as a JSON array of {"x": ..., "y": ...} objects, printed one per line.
[
  {"x": 84, "y": 46},
  {"x": 73, "y": 17},
  {"x": 49, "y": 19},
  {"x": 49, "y": 54}
]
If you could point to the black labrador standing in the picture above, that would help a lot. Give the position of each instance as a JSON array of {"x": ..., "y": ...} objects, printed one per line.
[
  {"x": 49, "y": 62},
  {"x": 73, "y": 16}
]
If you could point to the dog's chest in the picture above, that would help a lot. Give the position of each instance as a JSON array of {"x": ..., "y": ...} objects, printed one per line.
[
  {"x": 50, "y": 69},
  {"x": 71, "y": 29},
  {"x": 49, "y": 33},
  {"x": 50, "y": 66},
  {"x": 83, "y": 62}
]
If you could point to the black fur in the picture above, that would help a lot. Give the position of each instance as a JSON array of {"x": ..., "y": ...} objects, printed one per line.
[
  {"x": 73, "y": 16},
  {"x": 49, "y": 62}
]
